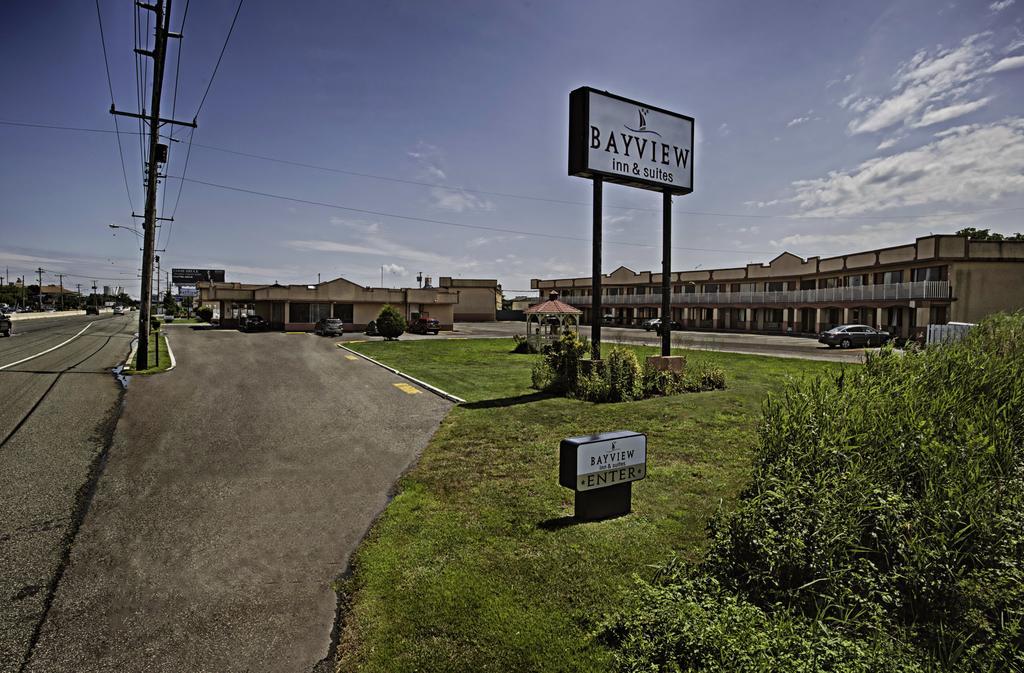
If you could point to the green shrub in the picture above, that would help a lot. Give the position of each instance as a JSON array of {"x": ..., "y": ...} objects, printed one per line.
[
  {"x": 523, "y": 345},
  {"x": 562, "y": 357},
  {"x": 624, "y": 376},
  {"x": 541, "y": 376},
  {"x": 390, "y": 323},
  {"x": 205, "y": 313},
  {"x": 154, "y": 324},
  {"x": 884, "y": 523}
]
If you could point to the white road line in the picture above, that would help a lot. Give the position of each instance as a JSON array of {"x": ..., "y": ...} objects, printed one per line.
[{"x": 33, "y": 357}]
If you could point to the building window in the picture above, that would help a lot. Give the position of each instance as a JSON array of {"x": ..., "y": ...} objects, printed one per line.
[
  {"x": 689, "y": 288},
  {"x": 854, "y": 281},
  {"x": 712, "y": 287},
  {"x": 613, "y": 291},
  {"x": 343, "y": 311},
  {"x": 937, "y": 315},
  {"x": 828, "y": 282},
  {"x": 892, "y": 277},
  {"x": 808, "y": 285},
  {"x": 775, "y": 286},
  {"x": 741, "y": 314},
  {"x": 299, "y": 313},
  {"x": 930, "y": 273}
]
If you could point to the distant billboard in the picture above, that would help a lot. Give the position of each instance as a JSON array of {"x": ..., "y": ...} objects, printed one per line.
[{"x": 193, "y": 276}]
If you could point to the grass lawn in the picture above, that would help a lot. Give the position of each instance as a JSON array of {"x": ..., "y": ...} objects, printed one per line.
[
  {"x": 476, "y": 565},
  {"x": 155, "y": 367}
]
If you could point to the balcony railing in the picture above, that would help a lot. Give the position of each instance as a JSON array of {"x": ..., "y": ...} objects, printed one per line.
[{"x": 929, "y": 289}]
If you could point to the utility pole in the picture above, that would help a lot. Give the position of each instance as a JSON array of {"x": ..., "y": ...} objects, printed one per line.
[
  {"x": 162, "y": 11},
  {"x": 94, "y": 294},
  {"x": 78, "y": 302},
  {"x": 40, "y": 272},
  {"x": 61, "y": 277}
]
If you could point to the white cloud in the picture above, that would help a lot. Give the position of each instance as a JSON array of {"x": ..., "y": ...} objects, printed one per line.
[
  {"x": 724, "y": 130},
  {"x": 889, "y": 142},
  {"x": 951, "y": 112},
  {"x": 459, "y": 201},
  {"x": 358, "y": 225},
  {"x": 1008, "y": 63},
  {"x": 798, "y": 120},
  {"x": 973, "y": 163},
  {"x": 931, "y": 85},
  {"x": 394, "y": 269},
  {"x": 1000, "y": 5}
]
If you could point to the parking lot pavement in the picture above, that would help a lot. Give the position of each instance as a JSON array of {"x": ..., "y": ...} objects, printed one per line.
[{"x": 236, "y": 488}]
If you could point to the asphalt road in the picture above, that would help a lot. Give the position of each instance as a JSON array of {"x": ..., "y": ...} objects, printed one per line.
[
  {"x": 733, "y": 342},
  {"x": 56, "y": 419},
  {"x": 236, "y": 488}
]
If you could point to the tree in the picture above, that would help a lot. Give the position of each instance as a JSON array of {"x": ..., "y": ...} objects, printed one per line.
[
  {"x": 390, "y": 322},
  {"x": 170, "y": 306},
  {"x": 205, "y": 313},
  {"x": 987, "y": 235}
]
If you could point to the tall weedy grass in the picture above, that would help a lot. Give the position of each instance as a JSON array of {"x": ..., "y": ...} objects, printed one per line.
[{"x": 883, "y": 528}]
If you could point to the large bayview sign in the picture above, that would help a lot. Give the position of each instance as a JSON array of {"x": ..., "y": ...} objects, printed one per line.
[
  {"x": 193, "y": 276},
  {"x": 629, "y": 142}
]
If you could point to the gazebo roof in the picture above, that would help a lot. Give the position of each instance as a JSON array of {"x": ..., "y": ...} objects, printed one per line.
[{"x": 552, "y": 305}]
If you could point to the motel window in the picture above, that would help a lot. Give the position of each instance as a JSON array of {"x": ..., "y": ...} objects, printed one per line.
[
  {"x": 741, "y": 314},
  {"x": 689, "y": 288},
  {"x": 828, "y": 282},
  {"x": 808, "y": 284},
  {"x": 930, "y": 273},
  {"x": 613, "y": 291},
  {"x": 343, "y": 312},
  {"x": 889, "y": 278},
  {"x": 712, "y": 287},
  {"x": 775, "y": 286},
  {"x": 299, "y": 313},
  {"x": 854, "y": 281},
  {"x": 773, "y": 315},
  {"x": 744, "y": 287}
]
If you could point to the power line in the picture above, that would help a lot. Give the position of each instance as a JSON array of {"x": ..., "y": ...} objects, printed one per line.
[
  {"x": 217, "y": 66},
  {"x": 948, "y": 213},
  {"x": 110, "y": 86},
  {"x": 412, "y": 218}
]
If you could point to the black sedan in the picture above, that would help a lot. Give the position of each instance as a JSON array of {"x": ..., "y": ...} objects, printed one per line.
[
  {"x": 329, "y": 327},
  {"x": 853, "y": 336},
  {"x": 424, "y": 326},
  {"x": 252, "y": 323}
]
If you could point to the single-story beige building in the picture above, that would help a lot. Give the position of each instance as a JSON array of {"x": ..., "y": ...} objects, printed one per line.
[
  {"x": 479, "y": 298},
  {"x": 299, "y": 307}
]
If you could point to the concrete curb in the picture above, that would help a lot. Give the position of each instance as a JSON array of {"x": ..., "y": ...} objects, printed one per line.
[
  {"x": 437, "y": 391},
  {"x": 127, "y": 365}
]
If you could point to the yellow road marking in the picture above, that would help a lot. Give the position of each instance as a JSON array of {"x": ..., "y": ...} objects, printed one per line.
[
  {"x": 406, "y": 388},
  {"x": 351, "y": 357}
]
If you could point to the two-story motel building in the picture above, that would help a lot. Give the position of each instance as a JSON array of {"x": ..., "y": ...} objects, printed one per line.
[{"x": 935, "y": 280}]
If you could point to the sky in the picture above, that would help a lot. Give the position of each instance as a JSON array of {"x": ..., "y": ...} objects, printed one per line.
[{"x": 402, "y": 138}]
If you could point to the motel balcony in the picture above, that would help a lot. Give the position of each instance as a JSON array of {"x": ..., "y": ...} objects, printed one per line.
[{"x": 893, "y": 292}]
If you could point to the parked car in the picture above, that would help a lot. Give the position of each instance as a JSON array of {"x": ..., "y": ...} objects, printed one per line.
[
  {"x": 119, "y": 310},
  {"x": 651, "y": 323},
  {"x": 853, "y": 336},
  {"x": 329, "y": 327},
  {"x": 424, "y": 326},
  {"x": 674, "y": 326},
  {"x": 371, "y": 328},
  {"x": 252, "y": 323},
  {"x": 92, "y": 310},
  {"x": 6, "y": 326}
]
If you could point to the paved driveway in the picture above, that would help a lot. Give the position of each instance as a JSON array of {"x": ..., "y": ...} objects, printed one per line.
[{"x": 237, "y": 488}]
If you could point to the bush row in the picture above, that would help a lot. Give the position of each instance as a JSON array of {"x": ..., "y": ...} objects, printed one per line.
[
  {"x": 883, "y": 528},
  {"x": 620, "y": 377}
]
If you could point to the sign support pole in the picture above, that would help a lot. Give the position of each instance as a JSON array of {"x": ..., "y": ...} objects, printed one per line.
[
  {"x": 666, "y": 273},
  {"x": 595, "y": 305}
]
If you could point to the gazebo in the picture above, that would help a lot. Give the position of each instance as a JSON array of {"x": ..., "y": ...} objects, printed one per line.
[{"x": 545, "y": 321}]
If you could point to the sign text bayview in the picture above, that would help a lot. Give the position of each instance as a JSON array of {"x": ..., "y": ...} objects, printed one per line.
[{"x": 629, "y": 142}]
